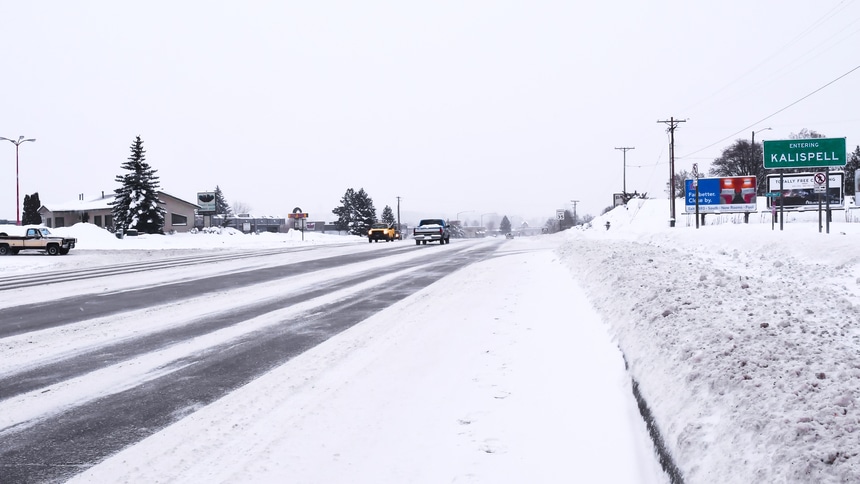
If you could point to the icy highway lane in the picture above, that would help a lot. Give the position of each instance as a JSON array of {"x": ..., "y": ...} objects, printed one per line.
[{"x": 96, "y": 360}]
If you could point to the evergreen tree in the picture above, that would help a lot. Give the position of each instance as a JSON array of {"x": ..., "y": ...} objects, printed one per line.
[
  {"x": 221, "y": 205},
  {"x": 851, "y": 167},
  {"x": 365, "y": 212},
  {"x": 31, "y": 216},
  {"x": 345, "y": 212},
  {"x": 388, "y": 216},
  {"x": 356, "y": 212},
  {"x": 505, "y": 225},
  {"x": 136, "y": 204}
]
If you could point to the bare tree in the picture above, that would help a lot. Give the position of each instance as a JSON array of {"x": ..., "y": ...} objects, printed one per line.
[
  {"x": 741, "y": 159},
  {"x": 240, "y": 208},
  {"x": 680, "y": 189}
]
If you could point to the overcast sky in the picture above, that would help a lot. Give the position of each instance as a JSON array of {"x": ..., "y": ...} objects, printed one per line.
[{"x": 480, "y": 107}]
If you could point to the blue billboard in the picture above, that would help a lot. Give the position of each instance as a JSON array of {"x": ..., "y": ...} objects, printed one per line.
[{"x": 725, "y": 195}]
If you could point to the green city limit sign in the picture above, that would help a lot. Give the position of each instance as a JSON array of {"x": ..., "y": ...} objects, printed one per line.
[{"x": 800, "y": 153}]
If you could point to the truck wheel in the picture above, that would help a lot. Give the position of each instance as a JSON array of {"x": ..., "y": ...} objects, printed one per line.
[
  {"x": 53, "y": 250},
  {"x": 369, "y": 240},
  {"x": 424, "y": 241},
  {"x": 64, "y": 251},
  {"x": 417, "y": 242},
  {"x": 4, "y": 249}
]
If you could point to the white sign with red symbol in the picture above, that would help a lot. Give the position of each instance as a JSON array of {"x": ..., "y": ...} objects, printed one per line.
[{"x": 820, "y": 180}]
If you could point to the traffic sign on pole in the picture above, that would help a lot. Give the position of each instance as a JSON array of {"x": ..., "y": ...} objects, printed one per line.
[{"x": 820, "y": 181}]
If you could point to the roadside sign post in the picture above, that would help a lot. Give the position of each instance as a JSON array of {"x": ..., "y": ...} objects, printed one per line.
[
  {"x": 827, "y": 196},
  {"x": 772, "y": 215},
  {"x": 696, "y": 186},
  {"x": 300, "y": 217},
  {"x": 820, "y": 180},
  {"x": 772, "y": 207},
  {"x": 819, "y": 212}
]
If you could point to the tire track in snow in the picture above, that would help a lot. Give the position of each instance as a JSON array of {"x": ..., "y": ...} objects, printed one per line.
[{"x": 47, "y": 448}]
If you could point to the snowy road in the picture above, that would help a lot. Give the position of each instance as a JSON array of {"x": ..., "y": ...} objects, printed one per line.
[
  {"x": 120, "y": 363},
  {"x": 183, "y": 353}
]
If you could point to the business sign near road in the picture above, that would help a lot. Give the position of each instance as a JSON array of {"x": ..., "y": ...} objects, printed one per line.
[
  {"x": 206, "y": 202},
  {"x": 803, "y": 153},
  {"x": 724, "y": 195},
  {"x": 799, "y": 190}
]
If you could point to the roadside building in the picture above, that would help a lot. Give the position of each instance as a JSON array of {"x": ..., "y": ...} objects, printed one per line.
[{"x": 178, "y": 217}]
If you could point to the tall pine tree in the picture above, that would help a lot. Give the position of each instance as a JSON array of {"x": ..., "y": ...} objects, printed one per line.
[
  {"x": 851, "y": 167},
  {"x": 221, "y": 205},
  {"x": 345, "y": 212},
  {"x": 356, "y": 212},
  {"x": 31, "y": 210},
  {"x": 136, "y": 204},
  {"x": 505, "y": 225},
  {"x": 388, "y": 215},
  {"x": 365, "y": 211}
]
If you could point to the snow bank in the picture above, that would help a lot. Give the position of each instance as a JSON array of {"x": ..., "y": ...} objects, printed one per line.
[{"x": 744, "y": 339}]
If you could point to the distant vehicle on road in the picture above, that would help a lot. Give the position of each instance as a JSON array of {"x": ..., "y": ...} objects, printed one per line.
[
  {"x": 36, "y": 238},
  {"x": 509, "y": 236},
  {"x": 432, "y": 230},
  {"x": 382, "y": 231}
]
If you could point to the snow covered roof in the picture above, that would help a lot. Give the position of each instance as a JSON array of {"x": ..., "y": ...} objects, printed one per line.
[{"x": 101, "y": 203}]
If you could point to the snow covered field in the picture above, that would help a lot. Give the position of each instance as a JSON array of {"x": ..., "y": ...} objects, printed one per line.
[{"x": 744, "y": 341}]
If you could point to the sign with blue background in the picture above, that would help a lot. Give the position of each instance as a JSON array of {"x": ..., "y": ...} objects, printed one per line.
[{"x": 725, "y": 195}]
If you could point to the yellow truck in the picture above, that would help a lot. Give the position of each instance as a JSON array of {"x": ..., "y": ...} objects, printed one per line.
[{"x": 382, "y": 231}]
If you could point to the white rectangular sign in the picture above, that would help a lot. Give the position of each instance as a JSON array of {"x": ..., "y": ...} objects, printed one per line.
[{"x": 799, "y": 190}]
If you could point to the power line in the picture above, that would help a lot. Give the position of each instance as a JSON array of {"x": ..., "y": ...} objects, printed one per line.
[
  {"x": 772, "y": 114},
  {"x": 810, "y": 28}
]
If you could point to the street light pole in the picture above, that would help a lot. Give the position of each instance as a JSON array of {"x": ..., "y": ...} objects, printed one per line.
[
  {"x": 482, "y": 217},
  {"x": 464, "y": 211},
  {"x": 752, "y": 145},
  {"x": 17, "y": 184},
  {"x": 751, "y": 167}
]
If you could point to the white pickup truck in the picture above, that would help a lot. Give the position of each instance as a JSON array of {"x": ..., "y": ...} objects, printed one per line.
[
  {"x": 34, "y": 238},
  {"x": 431, "y": 230}
]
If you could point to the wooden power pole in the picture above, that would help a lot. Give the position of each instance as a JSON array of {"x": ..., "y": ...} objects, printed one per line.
[{"x": 672, "y": 123}]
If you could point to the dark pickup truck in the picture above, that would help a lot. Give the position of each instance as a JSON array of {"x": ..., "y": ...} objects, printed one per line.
[{"x": 36, "y": 238}]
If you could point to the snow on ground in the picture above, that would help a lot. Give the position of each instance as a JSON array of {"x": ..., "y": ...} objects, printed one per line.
[
  {"x": 463, "y": 392},
  {"x": 743, "y": 339}
]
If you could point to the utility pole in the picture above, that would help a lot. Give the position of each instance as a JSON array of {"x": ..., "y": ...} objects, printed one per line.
[
  {"x": 574, "y": 202},
  {"x": 625, "y": 150},
  {"x": 398, "y": 216},
  {"x": 672, "y": 123}
]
